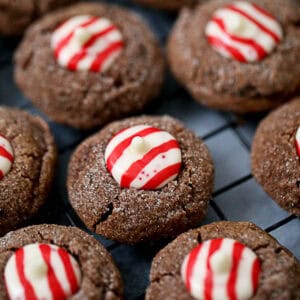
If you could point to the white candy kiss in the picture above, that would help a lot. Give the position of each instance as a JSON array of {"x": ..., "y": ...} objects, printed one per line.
[
  {"x": 6, "y": 156},
  {"x": 87, "y": 43},
  {"x": 41, "y": 272},
  {"x": 221, "y": 269},
  {"x": 143, "y": 157},
  {"x": 243, "y": 31}
]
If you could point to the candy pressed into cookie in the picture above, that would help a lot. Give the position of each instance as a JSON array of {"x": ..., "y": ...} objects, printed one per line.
[
  {"x": 141, "y": 179},
  {"x": 224, "y": 260},
  {"x": 241, "y": 56},
  {"x": 15, "y": 16},
  {"x": 56, "y": 262},
  {"x": 89, "y": 64},
  {"x": 27, "y": 164},
  {"x": 276, "y": 155}
]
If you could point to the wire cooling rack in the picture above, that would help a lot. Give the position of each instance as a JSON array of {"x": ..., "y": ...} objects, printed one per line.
[{"x": 237, "y": 196}]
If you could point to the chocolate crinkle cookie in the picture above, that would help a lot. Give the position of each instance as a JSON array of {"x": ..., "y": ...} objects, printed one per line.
[
  {"x": 56, "y": 262},
  {"x": 224, "y": 260},
  {"x": 168, "y": 4},
  {"x": 15, "y": 15},
  {"x": 141, "y": 179},
  {"x": 276, "y": 156},
  {"x": 89, "y": 64},
  {"x": 242, "y": 56},
  {"x": 27, "y": 163}
]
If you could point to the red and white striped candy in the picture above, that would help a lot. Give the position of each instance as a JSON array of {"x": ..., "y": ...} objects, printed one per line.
[
  {"x": 6, "y": 156},
  {"x": 41, "y": 272},
  {"x": 87, "y": 43},
  {"x": 221, "y": 269},
  {"x": 243, "y": 31},
  {"x": 297, "y": 141},
  {"x": 143, "y": 157}
]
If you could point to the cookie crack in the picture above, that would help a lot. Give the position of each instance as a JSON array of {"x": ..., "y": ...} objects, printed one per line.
[
  {"x": 105, "y": 215},
  {"x": 260, "y": 247},
  {"x": 199, "y": 238}
]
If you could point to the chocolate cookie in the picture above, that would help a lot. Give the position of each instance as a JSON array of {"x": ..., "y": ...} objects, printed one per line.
[
  {"x": 141, "y": 179},
  {"x": 242, "y": 56},
  {"x": 15, "y": 16},
  {"x": 276, "y": 156},
  {"x": 56, "y": 262},
  {"x": 168, "y": 4},
  {"x": 97, "y": 63},
  {"x": 27, "y": 162},
  {"x": 243, "y": 261}
]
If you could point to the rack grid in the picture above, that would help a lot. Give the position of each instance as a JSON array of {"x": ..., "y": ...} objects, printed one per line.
[{"x": 237, "y": 196}]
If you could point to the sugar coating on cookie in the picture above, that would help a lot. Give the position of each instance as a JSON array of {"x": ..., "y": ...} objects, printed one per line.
[
  {"x": 243, "y": 31},
  {"x": 143, "y": 157},
  {"x": 87, "y": 43},
  {"x": 42, "y": 272},
  {"x": 297, "y": 141},
  {"x": 220, "y": 269},
  {"x": 6, "y": 156}
]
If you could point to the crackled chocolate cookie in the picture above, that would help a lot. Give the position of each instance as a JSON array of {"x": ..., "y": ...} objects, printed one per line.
[
  {"x": 56, "y": 262},
  {"x": 276, "y": 156},
  {"x": 141, "y": 179},
  {"x": 15, "y": 16},
  {"x": 27, "y": 162},
  {"x": 242, "y": 56},
  {"x": 89, "y": 64},
  {"x": 168, "y": 4},
  {"x": 224, "y": 260}
]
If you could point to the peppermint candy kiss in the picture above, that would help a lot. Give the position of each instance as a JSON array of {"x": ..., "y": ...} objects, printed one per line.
[
  {"x": 143, "y": 157},
  {"x": 243, "y": 31},
  {"x": 297, "y": 141},
  {"x": 87, "y": 43},
  {"x": 41, "y": 272},
  {"x": 6, "y": 156},
  {"x": 221, "y": 269}
]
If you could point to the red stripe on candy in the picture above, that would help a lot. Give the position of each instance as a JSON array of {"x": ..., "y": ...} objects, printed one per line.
[
  {"x": 297, "y": 147},
  {"x": 6, "y": 154},
  {"x": 262, "y": 11},
  {"x": 132, "y": 172},
  {"x": 119, "y": 149},
  {"x": 191, "y": 264},
  {"x": 255, "y": 21},
  {"x": 208, "y": 281},
  {"x": 102, "y": 56},
  {"x": 236, "y": 258},
  {"x": 255, "y": 274},
  {"x": 73, "y": 63},
  {"x": 54, "y": 284},
  {"x": 1, "y": 174},
  {"x": 28, "y": 288},
  {"x": 65, "y": 257},
  {"x": 231, "y": 50},
  {"x": 162, "y": 176},
  {"x": 97, "y": 35},
  {"x": 261, "y": 53},
  {"x": 67, "y": 39}
]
